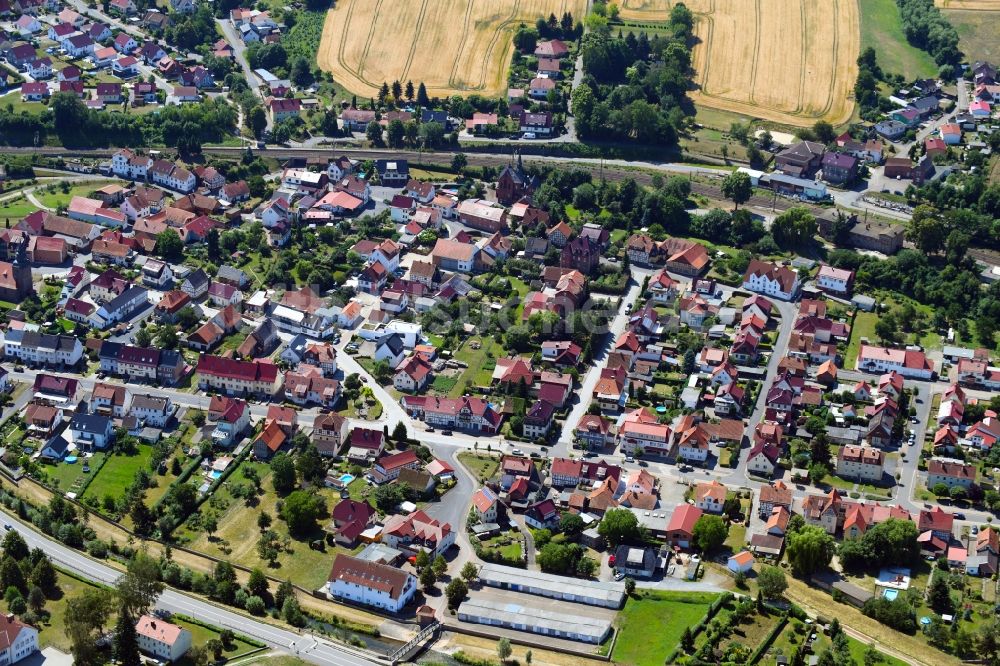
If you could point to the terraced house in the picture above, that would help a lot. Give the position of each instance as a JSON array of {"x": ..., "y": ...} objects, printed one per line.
[{"x": 259, "y": 378}]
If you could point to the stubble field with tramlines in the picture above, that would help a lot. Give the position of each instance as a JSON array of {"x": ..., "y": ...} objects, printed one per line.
[
  {"x": 788, "y": 61},
  {"x": 452, "y": 46},
  {"x": 984, "y": 5}
]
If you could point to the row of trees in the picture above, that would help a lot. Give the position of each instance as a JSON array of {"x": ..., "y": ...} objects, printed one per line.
[{"x": 927, "y": 29}]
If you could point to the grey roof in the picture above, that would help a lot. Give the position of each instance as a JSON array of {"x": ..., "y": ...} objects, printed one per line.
[
  {"x": 197, "y": 279},
  {"x": 227, "y": 272},
  {"x": 551, "y": 585},
  {"x": 152, "y": 402},
  {"x": 125, "y": 299},
  {"x": 36, "y": 340},
  {"x": 57, "y": 446},
  {"x": 394, "y": 342},
  {"x": 90, "y": 423},
  {"x": 534, "y": 619}
]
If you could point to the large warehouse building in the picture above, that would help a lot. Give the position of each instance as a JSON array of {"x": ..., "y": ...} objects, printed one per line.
[
  {"x": 593, "y": 593},
  {"x": 534, "y": 619}
]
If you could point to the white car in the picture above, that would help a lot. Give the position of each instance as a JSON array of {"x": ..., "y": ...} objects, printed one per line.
[{"x": 629, "y": 459}]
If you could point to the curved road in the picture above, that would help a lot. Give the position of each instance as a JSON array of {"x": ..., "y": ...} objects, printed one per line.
[{"x": 306, "y": 646}]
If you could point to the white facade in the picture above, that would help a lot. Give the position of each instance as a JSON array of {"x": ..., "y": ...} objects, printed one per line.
[
  {"x": 25, "y": 644},
  {"x": 762, "y": 284},
  {"x": 64, "y": 350},
  {"x": 369, "y": 596}
]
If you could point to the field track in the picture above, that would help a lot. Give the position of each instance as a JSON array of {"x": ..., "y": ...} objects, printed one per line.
[
  {"x": 452, "y": 46},
  {"x": 974, "y": 5},
  {"x": 788, "y": 61}
]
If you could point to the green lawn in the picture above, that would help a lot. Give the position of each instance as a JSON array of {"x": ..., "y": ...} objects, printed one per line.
[
  {"x": 882, "y": 29},
  {"x": 59, "y": 199},
  {"x": 480, "y": 465},
  {"x": 480, "y": 364},
  {"x": 443, "y": 384},
  {"x": 118, "y": 473},
  {"x": 69, "y": 478},
  {"x": 651, "y": 627},
  {"x": 52, "y": 630},
  {"x": 200, "y": 635},
  {"x": 863, "y": 327},
  {"x": 16, "y": 208}
]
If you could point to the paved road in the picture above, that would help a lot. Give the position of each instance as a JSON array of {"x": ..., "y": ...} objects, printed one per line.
[
  {"x": 589, "y": 380},
  {"x": 306, "y": 646}
]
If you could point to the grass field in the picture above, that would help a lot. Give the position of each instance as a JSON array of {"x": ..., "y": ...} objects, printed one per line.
[
  {"x": 237, "y": 534},
  {"x": 881, "y": 29},
  {"x": 977, "y": 31},
  {"x": 863, "y": 327},
  {"x": 58, "y": 199},
  {"x": 52, "y": 630},
  {"x": 668, "y": 612},
  {"x": 788, "y": 62},
  {"x": 454, "y": 47},
  {"x": 118, "y": 473},
  {"x": 16, "y": 208}
]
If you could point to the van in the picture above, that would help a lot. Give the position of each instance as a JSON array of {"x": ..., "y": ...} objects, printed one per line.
[{"x": 529, "y": 135}]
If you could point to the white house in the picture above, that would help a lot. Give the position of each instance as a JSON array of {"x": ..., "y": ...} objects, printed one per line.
[
  {"x": 152, "y": 410},
  {"x": 741, "y": 562},
  {"x": 17, "y": 639},
  {"x": 162, "y": 639},
  {"x": 35, "y": 348},
  {"x": 836, "y": 280},
  {"x": 91, "y": 431},
  {"x": 369, "y": 583},
  {"x": 907, "y": 362},
  {"x": 391, "y": 350},
  {"x": 126, "y": 164},
  {"x": 764, "y": 277}
]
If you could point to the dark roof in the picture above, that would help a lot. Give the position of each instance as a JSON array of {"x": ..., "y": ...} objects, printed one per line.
[
  {"x": 92, "y": 423},
  {"x": 395, "y": 344}
]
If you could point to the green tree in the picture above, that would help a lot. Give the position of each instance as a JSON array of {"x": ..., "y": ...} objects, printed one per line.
[
  {"x": 44, "y": 576},
  {"x": 126, "y": 645},
  {"x": 427, "y": 578},
  {"x": 619, "y": 526},
  {"x": 809, "y": 550},
  {"x": 282, "y": 473},
  {"x": 394, "y": 133},
  {"x": 824, "y": 131},
  {"x": 710, "y": 533},
  {"x": 737, "y": 187},
  {"x": 85, "y": 618},
  {"x": 795, "y": 228},
  {"x": 440, "y": 565},
  {"x": 458, "y": 162},
  {"x": 36, "y": 599},
  {"x": 939, "y": 595},
  {"x": 301, "y": 512},
  {"x": 926, "y": 229},
  {"x": 455, "y": 592},
  {"x": 15, "y": 546},
  {"x": 373, "y": 132},
  {"x": 504, "y": 650},
  {"x": 169, "y": 246},
  {"x": 469, "y": 571},
  {"x": 399, "y": 432},
  {"x": 629, "y": 586},
  {"x": 257, "y": 584},
  {"x": 256, "y": 120},
  {"x": 12, "y": 576},
  {"x": 140, "y": 586},
  {"x": 771, "y": 581}
]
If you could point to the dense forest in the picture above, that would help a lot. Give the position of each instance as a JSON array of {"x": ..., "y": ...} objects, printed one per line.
[{"x": 635, "y": 87}]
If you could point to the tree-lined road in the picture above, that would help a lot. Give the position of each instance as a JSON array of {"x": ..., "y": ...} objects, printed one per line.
[{"x": 306, "y": 646}]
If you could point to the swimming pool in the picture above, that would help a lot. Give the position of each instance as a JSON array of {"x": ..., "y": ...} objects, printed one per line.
[
  {"x": 215, "y": 474},
  {"x": 345, "y": 479},
  {"x": 890, "y": 594},
  {"x": 71, "y": 459}
]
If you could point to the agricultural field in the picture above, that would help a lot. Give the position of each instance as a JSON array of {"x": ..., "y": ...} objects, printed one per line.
[
  {"x": 742, "y": 69},
  {"x": 977, "y": 30},
  {"x": 977, "y": 5},
  {"x": 455, "y": 47}
]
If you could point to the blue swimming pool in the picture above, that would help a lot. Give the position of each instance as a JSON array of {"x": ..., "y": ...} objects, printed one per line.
[
  {"x": 70, "y": 459},
  {"x": 890, "y": 594},
  {"x": 215, "y": 474},
  {"x": 346, "y": 479}
]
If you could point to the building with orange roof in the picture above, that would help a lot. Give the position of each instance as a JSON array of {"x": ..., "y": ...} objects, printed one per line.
[
  {"x": 161, "y": 639},
  {"x": 741, "y": 562},
  {"x": 269, "y": 441},
  {"x": 710, "y": 497}
]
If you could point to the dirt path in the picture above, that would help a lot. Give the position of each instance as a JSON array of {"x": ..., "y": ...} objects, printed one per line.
[{"x": 908, "y": 648}]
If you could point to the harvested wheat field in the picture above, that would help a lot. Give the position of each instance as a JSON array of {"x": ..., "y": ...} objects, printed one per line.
[
  {"x": 985, "y": 5},
  {"x": 452, "y": 46},
  {"x": 789, "y": 61}
]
